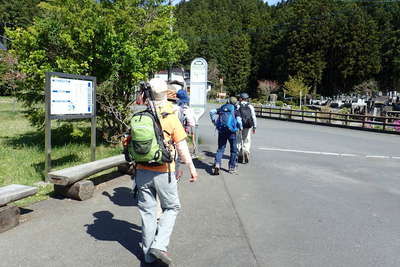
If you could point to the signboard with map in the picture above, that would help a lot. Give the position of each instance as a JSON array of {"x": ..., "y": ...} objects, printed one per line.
[{"x": 70, "y": 96}]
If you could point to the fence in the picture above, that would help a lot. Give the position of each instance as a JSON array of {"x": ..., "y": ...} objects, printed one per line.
[{"x": 387, "y": 124}]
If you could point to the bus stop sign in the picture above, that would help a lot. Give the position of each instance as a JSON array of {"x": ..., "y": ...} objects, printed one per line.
[{"x": 198, "y": 86}]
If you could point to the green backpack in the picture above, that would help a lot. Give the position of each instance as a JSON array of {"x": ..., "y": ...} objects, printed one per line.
[{"x": 147, "y": 145}]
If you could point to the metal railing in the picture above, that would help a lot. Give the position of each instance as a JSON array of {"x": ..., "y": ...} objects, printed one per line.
[{"x": 388, "y": 124}]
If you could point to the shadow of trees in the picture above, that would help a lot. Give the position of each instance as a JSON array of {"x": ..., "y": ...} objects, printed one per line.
[{"x": 61, "y": 136}]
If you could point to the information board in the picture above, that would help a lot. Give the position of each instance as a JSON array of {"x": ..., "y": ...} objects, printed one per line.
[
  {"x": 71, "y": 96},
  {"x": 68, "y": 97},
  {"x": 198, "y": 86}
]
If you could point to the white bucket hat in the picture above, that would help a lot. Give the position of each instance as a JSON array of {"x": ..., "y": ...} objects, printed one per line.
[{"x": 159, "y": 88}]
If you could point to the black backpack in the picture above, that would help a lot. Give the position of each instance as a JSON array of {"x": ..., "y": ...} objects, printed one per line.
[{"x": 245, "y": 114}]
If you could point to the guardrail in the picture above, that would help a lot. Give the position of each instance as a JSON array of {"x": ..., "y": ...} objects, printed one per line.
[{"x": 387, "y": 124}]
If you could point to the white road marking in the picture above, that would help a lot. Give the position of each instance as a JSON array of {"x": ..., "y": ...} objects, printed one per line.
[
  {"x": 348, "y": 155},
  {"x": 377, "y": 157},
  {"x": 326, "y": 153},
  {"x": 330, "y": 154}
]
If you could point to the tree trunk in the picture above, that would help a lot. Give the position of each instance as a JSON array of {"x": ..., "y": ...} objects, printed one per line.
[{"x": 81, "y": 190}]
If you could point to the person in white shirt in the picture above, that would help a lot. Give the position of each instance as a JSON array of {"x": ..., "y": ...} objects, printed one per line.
[{"x": 249, "y": 121}]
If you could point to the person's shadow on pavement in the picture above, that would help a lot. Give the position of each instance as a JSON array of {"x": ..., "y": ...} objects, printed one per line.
[
  {"x": 199, "y": 164},
  {"x": 212, "y": 154},
  {"x": 122, "y": 196},
  {"x": 106, "y": 228}
]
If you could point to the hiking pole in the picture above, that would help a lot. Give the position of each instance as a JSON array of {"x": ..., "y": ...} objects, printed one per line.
[{"x": 195, "y": 140}]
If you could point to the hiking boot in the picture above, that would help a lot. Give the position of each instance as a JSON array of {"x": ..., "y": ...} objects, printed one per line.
[
  {"x": 161, "y": 255},
  {"x": 240, "y": 157},
  {"x": 216, "y": 170}
]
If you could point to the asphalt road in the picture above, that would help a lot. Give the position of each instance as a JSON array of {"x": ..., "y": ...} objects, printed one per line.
[
  {"x": 311, "y": 196},
  {"x": 320, "y": 196}
]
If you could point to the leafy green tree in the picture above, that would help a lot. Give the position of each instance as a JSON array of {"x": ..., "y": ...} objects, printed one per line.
[
  {"x": 296, "y": 87},
  {"x": 17, "y": 13},
  {"x": 119, "y": 42}
]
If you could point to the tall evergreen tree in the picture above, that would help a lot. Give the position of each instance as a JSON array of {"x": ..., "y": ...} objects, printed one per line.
[{"x": 238, "y": 68}]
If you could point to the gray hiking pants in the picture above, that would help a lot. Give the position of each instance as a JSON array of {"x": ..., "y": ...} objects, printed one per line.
[{"x": 150, "y": 184}]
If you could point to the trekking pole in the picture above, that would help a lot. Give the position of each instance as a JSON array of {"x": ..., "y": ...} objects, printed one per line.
[{"x": 195, "y": 140}]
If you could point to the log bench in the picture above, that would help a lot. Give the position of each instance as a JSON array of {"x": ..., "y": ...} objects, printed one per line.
[
  {"x": 9, "y": 213},
  {"x": 70, "y": 182}
]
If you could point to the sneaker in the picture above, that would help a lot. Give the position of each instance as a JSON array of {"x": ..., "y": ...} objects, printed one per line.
[
  {"x": 161, "y": 255},
  {"x": 216, "y": 170},
  {"x": 232, "y": 171}
]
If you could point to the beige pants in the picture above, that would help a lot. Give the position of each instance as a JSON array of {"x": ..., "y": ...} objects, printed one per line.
[{"x": 244, "y": 135}]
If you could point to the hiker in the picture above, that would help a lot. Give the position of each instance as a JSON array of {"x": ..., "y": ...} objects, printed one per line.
[
  {"x": 227, "y": 122},
  {"x": 187, "y": 118},
  {"x": 157, "y": 176},
  {"x": 249, "y": 121}
]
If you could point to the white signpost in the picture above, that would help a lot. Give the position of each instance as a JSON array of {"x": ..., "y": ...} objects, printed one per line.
[
  {"x": 198, "y": 86},
  {"x": 198, "y": 91},
  {"x": 69, "y": 96}
]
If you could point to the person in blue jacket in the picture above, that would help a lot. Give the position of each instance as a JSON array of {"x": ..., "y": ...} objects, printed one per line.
[{"x": 227, "y": 122}]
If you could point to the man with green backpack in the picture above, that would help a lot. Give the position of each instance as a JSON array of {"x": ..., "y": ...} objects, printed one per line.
[{"x": 157, "y": 136}]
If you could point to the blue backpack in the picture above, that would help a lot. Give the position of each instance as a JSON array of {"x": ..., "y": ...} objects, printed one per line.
[{"x": 226, "y": 119}]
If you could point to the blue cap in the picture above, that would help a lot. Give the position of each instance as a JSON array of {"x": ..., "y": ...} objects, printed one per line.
[{"x": 183, "y": 97}]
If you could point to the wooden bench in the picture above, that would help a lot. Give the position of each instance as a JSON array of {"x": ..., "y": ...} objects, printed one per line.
[
  {"x": 9, "y": 214},
  {"x": 70, "y": 182}
]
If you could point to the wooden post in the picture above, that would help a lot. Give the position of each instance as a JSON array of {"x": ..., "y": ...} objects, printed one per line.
[
  {"x": 363, "y": 121},
  {"x": 290, "y": 114},
  {"x": 302, "y": 114},
  {"x": 316, "y": 116},
  {"x": 384, "y": 124},
  {"x": 9, "y": 217},
  {"x": 330, "y": 117},
  {"x": 280, "y": 113},
  {"x": 270, "y": 112},
  {"x": 347, "y": 119}
]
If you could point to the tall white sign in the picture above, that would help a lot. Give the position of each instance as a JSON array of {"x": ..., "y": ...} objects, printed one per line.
[{"x": 198, "y": 86}]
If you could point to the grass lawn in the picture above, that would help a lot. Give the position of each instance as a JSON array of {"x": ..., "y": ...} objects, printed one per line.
[{"x": 22, "y": 149}]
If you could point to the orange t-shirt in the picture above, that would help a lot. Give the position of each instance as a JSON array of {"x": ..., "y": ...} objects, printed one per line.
[{"x": 173, "y": 126}]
